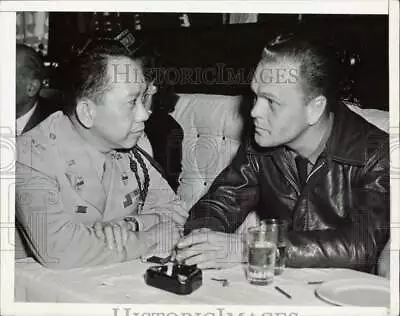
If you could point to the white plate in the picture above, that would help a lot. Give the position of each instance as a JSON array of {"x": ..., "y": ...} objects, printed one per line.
[{"x": 356, "y": 292}]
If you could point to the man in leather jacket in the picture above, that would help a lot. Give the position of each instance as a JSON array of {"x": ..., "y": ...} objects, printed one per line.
[{"x": 311, "y": 161}]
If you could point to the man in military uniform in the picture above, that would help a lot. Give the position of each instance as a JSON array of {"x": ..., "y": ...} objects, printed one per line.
[{"x": 88, "y": 191}]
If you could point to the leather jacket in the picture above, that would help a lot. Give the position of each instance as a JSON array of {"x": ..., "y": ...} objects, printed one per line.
[{"x": 341, "y": 216}]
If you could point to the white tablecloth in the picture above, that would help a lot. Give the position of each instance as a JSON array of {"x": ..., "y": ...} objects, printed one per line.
[{"x": 124, "y": 283}]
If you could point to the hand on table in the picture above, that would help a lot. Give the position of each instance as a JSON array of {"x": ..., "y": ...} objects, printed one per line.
[
  {"x": 209, "y": 249},
  {"x": 164, "y": 237}
]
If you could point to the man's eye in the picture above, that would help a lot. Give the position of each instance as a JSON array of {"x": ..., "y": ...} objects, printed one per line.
[
  {"x": 272, "y": 104},
  {"x": 132, "y": 103},
  {"x": 253, "y": 98}
]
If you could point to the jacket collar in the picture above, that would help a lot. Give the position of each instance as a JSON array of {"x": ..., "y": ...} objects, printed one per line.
[{"x": 346, "y": 143}]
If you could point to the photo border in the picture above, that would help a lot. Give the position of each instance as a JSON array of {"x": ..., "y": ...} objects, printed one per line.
[{"x": 7, "y": 118}]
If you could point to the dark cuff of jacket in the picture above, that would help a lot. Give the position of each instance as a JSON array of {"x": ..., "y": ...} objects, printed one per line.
[{"x": 204, "y": 222}]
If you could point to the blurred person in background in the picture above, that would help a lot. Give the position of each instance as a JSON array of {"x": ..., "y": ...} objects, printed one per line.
[{"x": 31, "y": 108}]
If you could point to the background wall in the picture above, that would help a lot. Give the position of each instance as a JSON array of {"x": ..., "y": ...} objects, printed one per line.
[
  {"x": 33, "y": 30},
  {"x": 192, "y": 49}
]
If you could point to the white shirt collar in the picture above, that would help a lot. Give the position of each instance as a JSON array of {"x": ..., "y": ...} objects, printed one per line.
[{"x": 23, "y": 120}]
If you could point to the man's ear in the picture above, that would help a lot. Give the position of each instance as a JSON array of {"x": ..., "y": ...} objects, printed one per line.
[
  {"x": 315, "y": 109},
  {"x": 86, "y": 112},
  {"x": 33, "y": 87}
]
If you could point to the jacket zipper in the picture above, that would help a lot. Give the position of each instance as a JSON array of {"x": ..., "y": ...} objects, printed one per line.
[
  {"x": 304, "y": 190},
  {"x": 293, "y": 184},
  {"x": 314, "y": 171}
]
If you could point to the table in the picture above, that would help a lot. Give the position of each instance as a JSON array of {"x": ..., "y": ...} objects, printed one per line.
[{"x": 123, "y": 283}]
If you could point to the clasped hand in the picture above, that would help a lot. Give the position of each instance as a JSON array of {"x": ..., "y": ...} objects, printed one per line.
[
  {"x": 204, "y": 247},
  {"x": 114, "y": 233},
  {"x": 163, "y": 235}
]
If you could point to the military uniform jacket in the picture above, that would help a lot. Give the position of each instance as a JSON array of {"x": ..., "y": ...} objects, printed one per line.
[{"x": 59, "y": 196}]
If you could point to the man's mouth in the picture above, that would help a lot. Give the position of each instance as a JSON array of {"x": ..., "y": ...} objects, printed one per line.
[
  {"x": 139, "y": 131},
  {"x": 259, "y": 128},
  {"x": 262, "y": 131}
]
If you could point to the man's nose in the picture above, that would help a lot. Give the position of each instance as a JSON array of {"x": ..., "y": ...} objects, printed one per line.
[
  {"x": 142, "y": 114},
  {"x": 256, "y": 110}
]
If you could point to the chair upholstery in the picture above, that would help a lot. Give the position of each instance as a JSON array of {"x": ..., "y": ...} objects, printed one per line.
[{"x": 213, "y": 128}]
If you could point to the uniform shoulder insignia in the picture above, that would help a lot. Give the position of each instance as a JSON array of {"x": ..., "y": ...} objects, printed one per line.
[
  {"x": 33, "y": 145},
  {"x": 30, "y": 144}
]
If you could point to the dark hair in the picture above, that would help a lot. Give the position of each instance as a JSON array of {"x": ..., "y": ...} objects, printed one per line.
[
  {"x": 318, "y": 63},
  {"x": 86, "y": 73},
  {"x": 31, "y": 62}
]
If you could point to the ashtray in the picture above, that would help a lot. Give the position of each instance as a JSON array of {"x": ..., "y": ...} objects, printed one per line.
[{"x": 176, "y": 278}]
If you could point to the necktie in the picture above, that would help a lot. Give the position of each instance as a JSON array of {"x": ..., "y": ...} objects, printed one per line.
[{"x": 301, "y": 165}]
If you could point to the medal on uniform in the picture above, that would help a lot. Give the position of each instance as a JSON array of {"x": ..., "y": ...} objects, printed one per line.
[
  {"x": 128, "y": 200},
  {"x": 79, "y": 183},
  {"x": 124, "y": 178},
  {"x": 71, "y": 163},
  {"x": 81, "y": 209}
]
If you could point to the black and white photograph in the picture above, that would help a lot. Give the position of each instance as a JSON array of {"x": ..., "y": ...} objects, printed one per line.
[{"x": 203, "y": 158}]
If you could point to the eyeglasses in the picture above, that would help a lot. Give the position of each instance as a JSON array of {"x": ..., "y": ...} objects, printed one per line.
[
  {"x": 151, "y": 89},
  {"x": 279, "y": 39}
]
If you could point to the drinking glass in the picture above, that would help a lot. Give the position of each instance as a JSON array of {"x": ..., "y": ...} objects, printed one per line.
[
  {"x": 261, "y": 253},
  {"x": 280, "y": 261}
]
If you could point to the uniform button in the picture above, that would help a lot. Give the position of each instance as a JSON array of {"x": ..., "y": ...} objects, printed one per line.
[
  {"x": 205, "y": 183},
  {"x": 71, "y": 163},
  {"x": 81, "y": 209},
  {"x": 223, "y": 137},
  {"x": 52, "y": 136},
  {"x": 198, "y": 135}
]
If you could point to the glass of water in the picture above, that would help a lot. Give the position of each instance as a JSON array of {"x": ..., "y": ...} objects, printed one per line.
[
  {"x": 261, "y": 253},
  {"x": 280, "y": 261}
]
